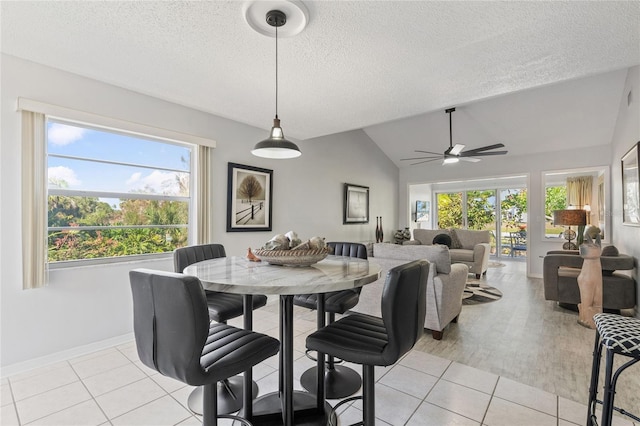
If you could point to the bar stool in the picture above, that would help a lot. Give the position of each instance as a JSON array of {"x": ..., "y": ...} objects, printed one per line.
[
  {"x": 372, "y": 341},
  {"x": 222, "y": 307},
  {"x": 619, "y": 335},
  {"x": 175, "y": 337},
  {"x": 339, "y": 380}
]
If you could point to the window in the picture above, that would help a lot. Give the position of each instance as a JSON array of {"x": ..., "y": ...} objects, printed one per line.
[
  {"x": 584, "y": 188},
  {"x": 113, "y": 193}
]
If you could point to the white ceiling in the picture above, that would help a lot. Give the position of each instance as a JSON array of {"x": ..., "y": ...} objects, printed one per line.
[{"x": 388, "y": 67}]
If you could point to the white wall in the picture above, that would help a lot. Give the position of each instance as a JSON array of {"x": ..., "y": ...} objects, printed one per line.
[
  {"x": 86, "y": 305},
  {"x": 627, "y": 133}
]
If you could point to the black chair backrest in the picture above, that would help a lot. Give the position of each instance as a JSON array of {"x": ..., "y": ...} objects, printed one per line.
[
  {"x": 348, "y": 249},
  {"x": 186, "y": 256},
  {"x": 404, "y": 302},
  {"x": 170, "y": 323}
]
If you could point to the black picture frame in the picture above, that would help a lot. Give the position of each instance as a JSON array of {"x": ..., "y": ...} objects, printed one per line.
[
  {"x": 631, "y": 186},
  {"x": 249, "y": 198},
  {"x": 355, "y": 204}
]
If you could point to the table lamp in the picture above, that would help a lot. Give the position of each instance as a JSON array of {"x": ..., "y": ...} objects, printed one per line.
[{"x": 570, "y": 217}]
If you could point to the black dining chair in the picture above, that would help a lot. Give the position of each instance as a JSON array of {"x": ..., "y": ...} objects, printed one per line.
[
  {"x": 371, "y": 341},
  {"x": 340, "y": 381},
  {"x": 222, "y": 307},
  {"x": 175, "y": 336}
]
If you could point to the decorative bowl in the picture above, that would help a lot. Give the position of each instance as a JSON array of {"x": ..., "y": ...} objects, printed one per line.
[{"x": 292, "y": 257}]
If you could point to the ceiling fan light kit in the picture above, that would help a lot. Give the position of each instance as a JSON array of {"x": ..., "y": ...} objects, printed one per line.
[
  {"x": 456, "y": 152},
  {"x": 276, "y": 146}
]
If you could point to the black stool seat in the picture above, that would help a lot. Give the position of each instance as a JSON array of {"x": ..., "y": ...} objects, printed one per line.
[
  {"x": 356, "y": 338},
  {"x": 228, "y": 350},
  {"x": 226, "y": 306},
  {"x": 619, "y": 336},
  {"x": 336, "y": 302}
]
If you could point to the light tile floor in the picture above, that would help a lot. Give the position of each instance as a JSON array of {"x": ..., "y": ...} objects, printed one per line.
[{"x": 113, "y": 387}]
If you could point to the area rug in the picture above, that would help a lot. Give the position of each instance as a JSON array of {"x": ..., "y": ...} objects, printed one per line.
[
  {"x": 493, "y": 264},
  {"x": 476, "y": 292}
]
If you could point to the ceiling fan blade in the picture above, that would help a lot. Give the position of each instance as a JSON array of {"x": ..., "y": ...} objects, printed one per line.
[
  {"x": 481, "y": 154},
  {"x": 425, "y": 161},
  {"x": 429, "y": 152},
  {"x": 486, "y": 148},
  {"x": 422, "y": 158},
  {"x": 457, "y": 149},
  {"x": 469, "y": 159}
]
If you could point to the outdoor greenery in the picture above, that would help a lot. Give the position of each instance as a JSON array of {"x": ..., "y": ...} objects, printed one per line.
[
  {"x": 129, "y": 229},
  {"x": 555, "y": 199},
  {"x": 481, "y": 209},
  {"x": 449, "y": 210},
  {"x": 514, "y": 202}
]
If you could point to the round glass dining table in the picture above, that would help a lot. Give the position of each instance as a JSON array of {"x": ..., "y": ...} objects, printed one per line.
[{"x": 241, "y": 276}]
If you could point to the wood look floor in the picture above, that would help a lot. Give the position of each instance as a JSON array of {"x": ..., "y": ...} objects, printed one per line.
[{"x": 530, "y": 340}]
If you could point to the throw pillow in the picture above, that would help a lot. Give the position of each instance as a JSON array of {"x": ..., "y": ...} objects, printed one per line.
[
  {"x": 443, "y": 239},
  {"x": 609, "y": 251},
  {"x": 455, "y": 241}
]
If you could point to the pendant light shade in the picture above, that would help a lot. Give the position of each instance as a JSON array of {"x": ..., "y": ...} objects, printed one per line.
[{"x": 276, "y": 146}]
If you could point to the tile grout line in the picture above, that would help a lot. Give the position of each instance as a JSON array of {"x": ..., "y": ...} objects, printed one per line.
[
  {"x": 13, "y": 400},
  {"x": 490, "y": 400},
  {"x": 92, "y": 396}
]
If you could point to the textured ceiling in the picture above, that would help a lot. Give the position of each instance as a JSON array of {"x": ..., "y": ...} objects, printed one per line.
[{"x": 356, "y": 65}]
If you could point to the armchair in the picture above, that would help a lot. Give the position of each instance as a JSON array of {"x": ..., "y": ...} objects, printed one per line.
[{"x": 562, "y": 267}]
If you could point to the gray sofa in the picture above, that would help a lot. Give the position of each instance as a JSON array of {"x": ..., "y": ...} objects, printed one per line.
[
  {"x": 445, "y": 284},
  {"x": 468, "y": 246},
  {"x": 562, "y": 267}
]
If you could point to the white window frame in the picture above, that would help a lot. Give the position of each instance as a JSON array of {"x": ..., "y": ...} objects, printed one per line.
[
  {"x": 121, "y": 195},
  {"x": 200, "y": 169}
]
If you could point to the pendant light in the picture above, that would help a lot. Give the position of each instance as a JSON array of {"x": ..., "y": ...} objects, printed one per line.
[{"x": 276, "y": 146}]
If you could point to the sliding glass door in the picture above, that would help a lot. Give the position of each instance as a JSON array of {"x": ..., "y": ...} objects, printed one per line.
[
  {"x": 513, "y": 228},
  {"x": 480, "y": 209}
]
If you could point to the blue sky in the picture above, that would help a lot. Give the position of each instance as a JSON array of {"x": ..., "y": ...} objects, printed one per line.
[{"x": 76, "y": 141}]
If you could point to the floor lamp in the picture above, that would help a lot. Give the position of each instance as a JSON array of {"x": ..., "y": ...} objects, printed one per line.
[{"x": 570, "y": 217}]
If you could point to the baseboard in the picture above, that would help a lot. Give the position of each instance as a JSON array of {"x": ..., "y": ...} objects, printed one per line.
[{"x": 53, "y": 358}]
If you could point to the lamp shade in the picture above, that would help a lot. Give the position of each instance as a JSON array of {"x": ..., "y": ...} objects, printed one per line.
[
  {"x": 276, "y": 146},
  {"x": 569, "y": 217}
]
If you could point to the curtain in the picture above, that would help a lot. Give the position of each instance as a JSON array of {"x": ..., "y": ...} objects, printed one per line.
[
  {"x": 579, "y": 191},
  {"x": 34, "y": 201},
  {"x": 204, "y": 228}
]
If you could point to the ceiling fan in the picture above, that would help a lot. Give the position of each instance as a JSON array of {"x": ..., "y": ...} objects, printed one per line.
[{"x": 455, "y": 153}]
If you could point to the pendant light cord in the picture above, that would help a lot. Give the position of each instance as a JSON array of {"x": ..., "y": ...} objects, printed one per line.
[
  {"x": 276, "y": 70},
  {"x": 450, "y": 133}
]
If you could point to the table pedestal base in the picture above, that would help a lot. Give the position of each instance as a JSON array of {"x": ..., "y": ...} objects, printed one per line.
[{"x": 267, "y": 410}]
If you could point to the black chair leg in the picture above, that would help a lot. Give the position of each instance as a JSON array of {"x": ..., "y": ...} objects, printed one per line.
[
  {"x": 593, "y": 387},
  {"x": 368, "y": 396},
  {"x": 210, "y": 405}
]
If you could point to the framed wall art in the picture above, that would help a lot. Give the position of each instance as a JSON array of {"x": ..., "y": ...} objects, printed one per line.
[
  {"x": 249, "y": 198},
  {"x": 356, "y": 204},
  {"x": 422, "y": 211},
  {"x": 631, "y": 187}
]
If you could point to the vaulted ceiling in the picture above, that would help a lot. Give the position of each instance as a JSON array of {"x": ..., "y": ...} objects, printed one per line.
[{"x": 523, "y": 73}]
